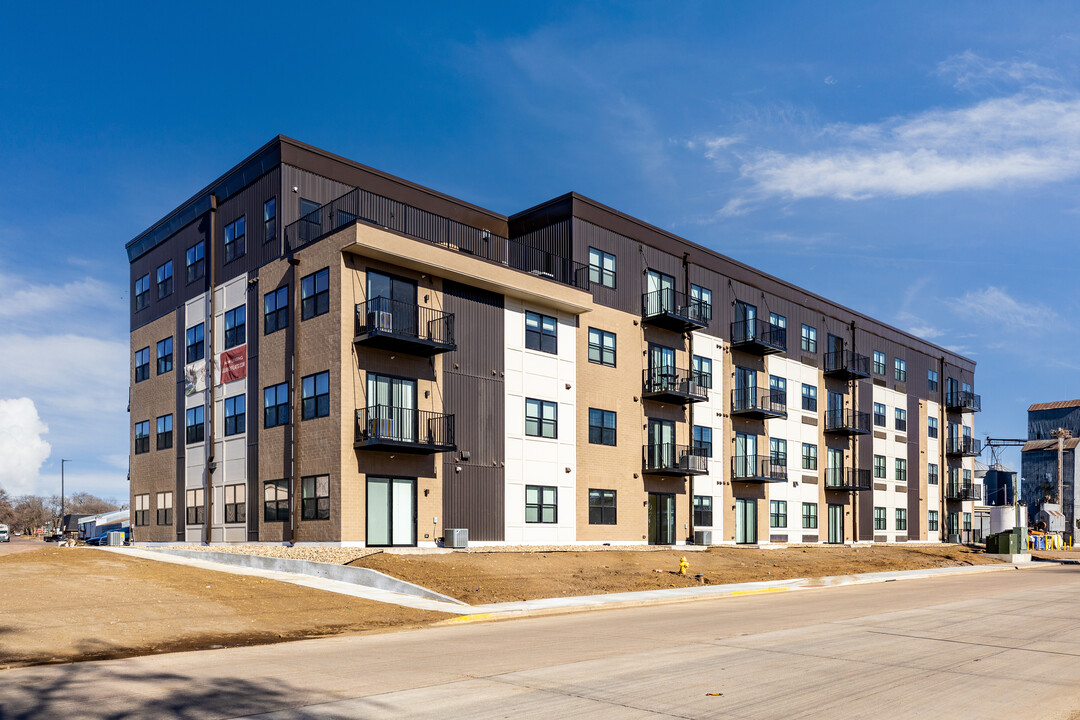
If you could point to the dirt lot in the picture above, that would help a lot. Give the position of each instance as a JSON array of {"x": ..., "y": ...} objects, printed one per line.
[
  {"x": 63, "y": 604},
  {"x": 478, "y": 577}
]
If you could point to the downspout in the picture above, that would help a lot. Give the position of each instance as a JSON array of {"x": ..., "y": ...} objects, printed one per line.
[
  {"x": 854, "y": 445},
  {"x": 690, "y": 369},
  {"x": 294, "y": 393},
  {"x": 208, "y": 521}
]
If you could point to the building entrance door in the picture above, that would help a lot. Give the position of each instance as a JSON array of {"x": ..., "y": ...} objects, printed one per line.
[
  {"x": 745, "y": 521},
  {"x": 661, "y": 519},
  {"x": 836, "y": 523},
  {"x": 391, "y": 511}
]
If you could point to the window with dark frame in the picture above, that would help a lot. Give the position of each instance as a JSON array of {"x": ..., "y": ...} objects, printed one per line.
[
  {"x": 601, "y": 347},
  {"x": 142, "y": 510},
  {"x": 879, "y": 519},
  {"x": 269, "y": 219},
  {"x": 235, "y": 239},
  {"x": 809, "y": 516},
  {"x": 541, "y": 418},
  {"x": 276, "y": 501},
  {"x": 701, "y": 301},
  {"x": 879, "y": 414},
  {"x": 315, "y": 497},
  {"x": 809, "y": 397},
  {"x": 235, "y": 327},
  {"x": 541, "y": 504},
  {"x": 931, "y": 474},
  {"x": 142, "y": 293},
  {"x": 235, "y": 417},
  {"x": 196, "y": 261},
  {"x": 235, "y": 503},
  {"x": 164, "y": 508},
  {"x": 900, "y": 369},
  {"x": 142, "y": 364},
  {"x": 196, "y": 507},
  {"x": 901, "y": 419},
  {"x": 809, "y": 339},
  {"x": 778, "y": 513},
  {"x": 809, "y": 456},
  {"x": 601, "y": 427},
  {"x": 703, "y": 511},
  {"x": 276, "y": 405},
  {"x": 778, "y": 388},
  {"x": 276, "y": 310},
  {"x": 541, "y": 333},
  {"x": 879, "y": 363},
  {"x": 601, "y": 268},
  {"x": 194, "y": 427},
  {"x": 142, "y": 437},
  {"x": 195, "y": 350},
  {"x": 315, "y": 396},
  {"x": 901, "y": 470},
  {"x": 702, "y": 441},
  {"x": 702, "y": 367},
  {"x": 309, "y": 211},
  {"x": 778, "y": 451},
  {"x": 164, "y": 432},
  {"x": 931, "y": 427},
  {"x": 932, "y": 380},
  {"x": 602, "y": 507},
  {"x": 164, "y": 356},
  {"x": 932, "y": 520},
  {"x": 315, "y": 294},
  {"x": 164, "y": 280},
  {"x": 879, "y": 466},
  {"x": 901, "y": 519}
]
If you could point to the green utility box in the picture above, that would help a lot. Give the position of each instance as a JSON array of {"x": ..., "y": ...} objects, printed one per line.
[{"x": 1011, "y": 542}]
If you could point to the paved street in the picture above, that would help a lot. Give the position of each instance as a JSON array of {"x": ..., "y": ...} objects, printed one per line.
[
  {"x": 990, "y": 645},
  {"x": 22, "y": 544}
]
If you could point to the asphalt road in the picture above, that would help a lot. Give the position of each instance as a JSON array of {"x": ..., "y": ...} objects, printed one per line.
[
  {"x": 987, "y": 645},
  {"x": 22, "y": 544}
]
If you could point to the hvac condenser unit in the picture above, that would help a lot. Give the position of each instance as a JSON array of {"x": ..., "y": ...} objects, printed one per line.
[
  {"x": 116, "y": 538},
  {"x": 456, "y": 538},
  {"x": 703, "y": 537}
]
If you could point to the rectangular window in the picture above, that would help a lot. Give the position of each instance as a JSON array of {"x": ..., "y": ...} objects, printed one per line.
[
  {"x": 932, "y": 380},
  {"x": 142, "y": 292},
  {"x": 276, "y": 405},
  {"x": 601, "y": 347},
  {"x": 932, "y": 521},
  {"x": 164, "y": 280},
  {"x": 164, "y": 508},
  {"x": 953, "y": 523},
  {"x": 778, "y": 513},
  {"x": 235, "y": 423},
  {"x": 164, "y": 356},
  {"x": 967, "y": 522},
  {"x": 778, "y": 321},
  {"x": 702, "y": 441},
  {"x": 315, "y": 294},
  {"x": 142, "y": 364},
  {"x": 809, "y": 339},
  {"x": 879, "y": 518},
  {"x": 194, "y": 427},
  {"x": 701, "y": 299},
  {"x": 541, "y": 504},
  {"x": 778, "y": 388},
  {"x": 276, "y": 501},
  {"x": 235, "y": 239},
  {"x": 809, "y": 456},
  {"x": 601, "y": 268},
  {"x": 276, "y": 310},
  {"x": 601, "y": 427},
  {"x": 778, "y": 451},
  {"x": 900, "y": 370},
  {"x": 901, "y": 519},
  {"x": 901, "y": 471},
  {"x": 196, "y": 261},
  {"x": 931, "y": 427},
  {"x": 601, "y": 507},
  {"x": 196, "y": 507},
  {"x": 879, "y": 363},
  {"x": 931, "y": 474},
  {"x": 967, "y": 476},
  {"x": 235, "y": 503},
  {"x": 809, "y": 516},
  {"x": 901, "y": 419},
  {"x": 315, "y": 497},
  {"x": 142, "y": 510},
  {"x": 142, "y": 437},
  {"x": 309, "y": 211},
  {"x": 954, "y": 476},
  {"x": 702, "y": 367},
  {"x": 809, "y": 397},
  {"x": 315, "y": 396},
  {"x": 269, "y": 219},
  {"x": 879, "y": 466},
  {"x": 164, "y": 432},
  {"x": 541, "y": 333},
  {"x": 703, "y": 516},
  {"x": 879, "y": 414},
  {"x": 235, "y": 327},
  {"x": 541, "y": 418},
  {"x": 195, "y": 349}
]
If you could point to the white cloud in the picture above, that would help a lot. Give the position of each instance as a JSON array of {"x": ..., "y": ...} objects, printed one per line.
[
  {"x": 22, "y": 446},
  {"x": 830, "y": 80},
  {"x": 969, "y": 70},
  {"x": 994, "y": 306}
]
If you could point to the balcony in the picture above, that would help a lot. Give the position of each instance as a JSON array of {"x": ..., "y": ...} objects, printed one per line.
[
  {"x": 678, "y": 387},
  {"x": 758, "y": 337},
  {"x": 963, "y": 491},
  {"x": 847, "y": 365},
  {"x": 844, "y": 421},
  {"x": 963, "y": 447},
  {"x": 758, "y": 403},
  {"x": 674, "y": 460},
  {"x": 758, "y": 469},
  {"x": 404, "y": 327},
  {"x": 963, "y": 401},
  {"x": 848, "y": 479},
  {"x": 674, "y": 311},
  {"x": 405, "y": 430}
]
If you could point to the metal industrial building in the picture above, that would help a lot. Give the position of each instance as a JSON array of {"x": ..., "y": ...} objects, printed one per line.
[{"x": 1053, "y": 434}]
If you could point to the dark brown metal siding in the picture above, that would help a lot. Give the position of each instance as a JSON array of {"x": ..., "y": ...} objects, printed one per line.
[
  {"x": 626, "y": 295},
  {"x": 249, "y": 203},
  {"x": 473, "y": 392},
  {"x": 310, "y": 187},
  {"x": 555, "y": 239},
  {"x": 175, "y": 249}
]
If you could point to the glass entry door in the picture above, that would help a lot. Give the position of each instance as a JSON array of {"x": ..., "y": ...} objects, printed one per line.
[
  {"x": 391, "y": 304},
  {"x": 660, "y": 289},
  {"x": 662, "y": 368},
  {"x": 745, "y": 521},
  {"x": 661, "y": 519},
  {"x": 392, "y": 408},
  {"x": 835, "y": 345},
  {"x": 661, "y": 443},
  {"x": 836, "y": 523},
  {"x": 391, "y": 511},
  {"x": 745, "y": 455}
]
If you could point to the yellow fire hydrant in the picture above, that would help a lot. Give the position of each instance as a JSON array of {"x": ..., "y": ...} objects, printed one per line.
[{"x": 683, "y": 565}]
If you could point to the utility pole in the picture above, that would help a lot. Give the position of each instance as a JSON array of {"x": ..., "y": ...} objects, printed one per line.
[{"x": 62, "y": 461}]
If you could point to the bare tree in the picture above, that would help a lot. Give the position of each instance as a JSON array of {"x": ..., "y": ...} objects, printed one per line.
[
  {"x": 32, "y": 512},
  {"x": 7, "y": 512},
  {"x": 84, "y": 503}
]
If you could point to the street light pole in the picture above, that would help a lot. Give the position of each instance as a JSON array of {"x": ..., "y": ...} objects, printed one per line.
[{"x": 62, "y": 461}]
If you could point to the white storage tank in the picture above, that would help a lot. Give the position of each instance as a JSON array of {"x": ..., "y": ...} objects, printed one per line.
[{"x": 1003, "y": 518}]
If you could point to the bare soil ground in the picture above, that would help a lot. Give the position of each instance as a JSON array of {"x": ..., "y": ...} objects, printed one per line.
[
  {"x": 65, "y": 604},
  {"x": 478, "y": 577}
]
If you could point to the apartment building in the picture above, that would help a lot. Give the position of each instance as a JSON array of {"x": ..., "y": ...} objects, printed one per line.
[{"x": 325, "y": 353}]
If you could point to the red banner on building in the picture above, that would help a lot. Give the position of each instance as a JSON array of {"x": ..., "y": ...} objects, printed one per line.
[{"x": 233, "y": 364}]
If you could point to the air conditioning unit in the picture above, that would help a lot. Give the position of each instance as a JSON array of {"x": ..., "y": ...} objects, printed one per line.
[
  {"x": 457, "y": 538},
  {"x": 954, "y": 538},
  {"x": 703, "y": 537},
  {"x": 384, "y": 321},
  {"x": 116, "y": 538}
]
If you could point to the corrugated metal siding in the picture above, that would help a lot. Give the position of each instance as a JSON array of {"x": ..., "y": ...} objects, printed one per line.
[
  {"x": 175, "y": 249},
  {"x": 310, "y": 187},
  {"x": 626, "y": 295},
  {"x": 248, "y": 203},
  {"x": 473, "y": 391}
]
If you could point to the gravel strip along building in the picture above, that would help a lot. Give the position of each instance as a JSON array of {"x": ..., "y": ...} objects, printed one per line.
[{"x": 325, "y": 353}]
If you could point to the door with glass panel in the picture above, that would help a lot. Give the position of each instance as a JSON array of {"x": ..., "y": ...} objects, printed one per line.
[
  {"x": 391, "y": 511},
  {"x": 392, "y": 411},
  {"x": 660, "y": 289},
  {"x": 661, "y": 443},
  {"x": 661, "y": 519},
  {"x": 745, "y": 521},
  {"x": 745, "y": 388},
  {"x": 745, "y": 455},
  {"x": 835, "y": 468},
  {"x": 662, "y": 368},
  {"x": 391, "y": 304},
  {"x": 836, "y": 523},
  {"x": 746, "y": 322}
]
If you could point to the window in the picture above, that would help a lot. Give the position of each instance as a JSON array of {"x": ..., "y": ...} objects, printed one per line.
[
  {"x": 901, "y": 419},
  {"x": 931, "y": 427},
  {"x": 164, "y": 356},
  {"x": 967, "y": 522},
  {"x": 778, "y": 513},
  {"x": 142, "y": 364},
  {"x": 879, "y": 466},
  {"x": 901, "y": 519},
  {"x": 879, "y": 518},
  {"x": 879, "y": 414},
  {"x": 703, "y": 511},
  {"x": 601, "y": 347},
  {"x": 142, "y": 437},
  {"x": 809, "y": 516},
  {"x": 900, "y": 370},
  {"x": 235, "y": 239},
  {"x": 142, "y": 510},
  {"x": 196, "y": 507},
  {"x": 235, "y": 327},
  {"x": 602, "y": 507},
  {"x": 276, "y": 310},
  {"x": 809, "y": 339},
  {"x": 809, "y": 456},
  {"x": 276, "y": 405},
  {"x": 142, "y": 293},
  {"x": 601, "y": 268},
  {"x": 195, "y": 349},
  {"x": 309, "y": 211},
  {"x": 809, "y": 397},
  {"x": 541, "y": 418},
  {"x": 931, "y": 474},
  {"x": 235, "y": 503},
  {"x": 901, "y": 471},
  {"x": 269, "y": 219},
  {"x": 702, "y": 441},
  {"x": 701, "y": 300},
  {"x": 235, "y": 423},
  {"x": 164, "y": 280},
  {"x": 276, "y": 501},
  {"x": 315, "y": 396},
  {"x": 778, "y": 388},
  {"x": 879, "y": 363},
  {"x": 953, "y": 523},
  {"x": 164, "y": 508},
  {"x": 954, "y": 476},
  {"x": 196, "y": 261},
  {"x": 778, "y": 321},
  {"x": 315, "y": 497},
  {"x": 541, "y": 504},
  {"x": 702, "y": 367},
  {"x": 541, "y": 333},
  {"x": 194, "y": 426},
  {"x": 967, "y": 476},
  {"x": 315, "y": 294},
  {"x": 601, "y": 427},
  {"x": 932, "y": 380},
  {"x": 932, "y": 521},
  {"x": 164, "y": 432},
  {"x": 778, "y": 451}
]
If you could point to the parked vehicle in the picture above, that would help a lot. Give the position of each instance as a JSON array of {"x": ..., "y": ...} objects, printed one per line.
[
  {"x": 103, "y": 538},
  {"x": 4, "y": 537}
]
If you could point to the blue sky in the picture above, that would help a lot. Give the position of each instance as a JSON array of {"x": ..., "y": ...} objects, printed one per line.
[{"x": 919, "y": 162}]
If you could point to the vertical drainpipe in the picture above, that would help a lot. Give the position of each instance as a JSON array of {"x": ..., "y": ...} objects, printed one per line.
[
  {"x": 208, "y": 523},
  {"x": 854, "y": 445},
  {"x": 690, "y": 369},
  {"x": 294, "y": 392}
]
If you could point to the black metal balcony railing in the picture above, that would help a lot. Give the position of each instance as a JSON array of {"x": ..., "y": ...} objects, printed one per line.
[
  {"x": 845, "y": 478},
  {"x": 758, "y": 469},
  {"x": 674, "y": 310},
  {"x": 846, "y": 364},
  {"x": 963, "y": 446},
  {"x": 963, "y": 401},
  {"x": 385, "y": 427},
  {"x": 963, "y": 491},
  {"x": 393, "y": 324},
  {"x": 845, "y": 421},
  {"x": 673, "y": 459},
  {"x": 759, "y": 403},
  {"x": 674, "y": 386},
  {"x": 361, "y": 205},
  {"x": 758, "y": 336}
]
